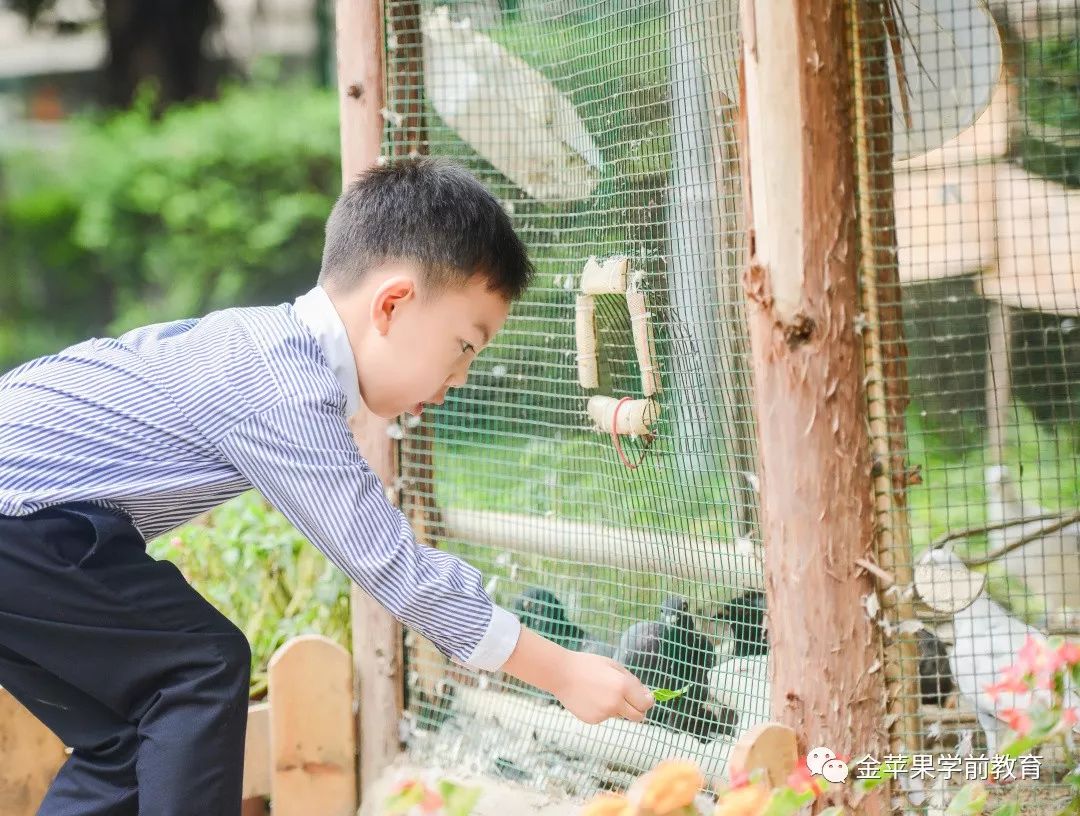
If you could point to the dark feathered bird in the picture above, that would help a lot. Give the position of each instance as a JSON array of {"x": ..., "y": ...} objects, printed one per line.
[
  {"x": 670, "y": 653},
  {"x": 690, "y": 716},
  {"x": 689, "y": 655},
  {"x": 745, "y": 614},
  {"x": 935, "y": 675},
  {"x": 544, "y": 613}
]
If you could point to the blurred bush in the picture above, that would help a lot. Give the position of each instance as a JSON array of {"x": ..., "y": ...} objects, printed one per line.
[{"x": 140, "y": 220}]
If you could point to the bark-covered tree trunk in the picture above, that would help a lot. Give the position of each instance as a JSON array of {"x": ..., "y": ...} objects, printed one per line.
[
  {"x": 817, "y": 505},
  {"x": 164, "y": 42}
]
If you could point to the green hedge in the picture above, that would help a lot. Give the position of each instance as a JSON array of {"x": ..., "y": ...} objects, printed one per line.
[{"x": 137, "y": 221}]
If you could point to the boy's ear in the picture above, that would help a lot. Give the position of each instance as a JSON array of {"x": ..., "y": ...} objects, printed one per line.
[{"x": 391, "y": 293}]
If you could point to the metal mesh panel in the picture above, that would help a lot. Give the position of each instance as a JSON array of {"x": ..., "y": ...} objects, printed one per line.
[
  {"x": 606, "y": 129},
  {"x": 984, "y": 205}
]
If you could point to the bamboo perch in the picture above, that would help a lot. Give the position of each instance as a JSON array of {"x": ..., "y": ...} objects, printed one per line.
[
  {"x": 585, "y": 334},
  {"x": 720, "y": 562},
  {"x": 643, "y": 341},
  {"x": 608, "y": 278},
  {"x": 634, "y": 417}
]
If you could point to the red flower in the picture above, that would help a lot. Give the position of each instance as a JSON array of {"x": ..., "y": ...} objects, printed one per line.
[
  {"x": 1017, "y": 720},
  {"x": 801, "y": 780}
]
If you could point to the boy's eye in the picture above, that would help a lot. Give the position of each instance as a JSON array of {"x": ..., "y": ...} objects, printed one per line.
[{"x": 467, "y": 347}]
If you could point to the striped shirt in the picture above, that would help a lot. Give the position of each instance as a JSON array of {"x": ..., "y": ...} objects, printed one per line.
[{"x": 169, "y": 420}]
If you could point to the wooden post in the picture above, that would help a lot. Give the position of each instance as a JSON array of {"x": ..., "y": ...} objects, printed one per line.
[
  {"x": 376, "y": 636},
  {"x": 312, "y": 739},
  {"x": 817, "y": 508},
  {"x": 885, "y": 356},
  {"x": 998, "y": 379}
]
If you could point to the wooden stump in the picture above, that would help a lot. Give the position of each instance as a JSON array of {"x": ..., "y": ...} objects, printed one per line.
[{"x": 31, "y": 754}]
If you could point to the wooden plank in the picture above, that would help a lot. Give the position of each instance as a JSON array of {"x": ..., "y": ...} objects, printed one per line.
[
  {"x": 1038, "y": 251},
  {"x": 257, "y": 751},
  {"x": 30, "y": 756},
  {"x": 818, "y": 514},
  {"x": 376, "y": 636},
  {"x": 312, "y": 738}
]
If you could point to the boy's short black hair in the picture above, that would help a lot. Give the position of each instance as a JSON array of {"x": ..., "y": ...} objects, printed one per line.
[{"x": 431, "y": 212}]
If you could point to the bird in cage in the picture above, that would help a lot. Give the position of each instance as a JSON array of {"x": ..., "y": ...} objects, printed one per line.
[
  {"x": 669, "y": 653},
  {"x": 745, "y": 616},
  {"x": 1049, "y": 564},
  {"x": 936, "y": 682},
  {"x": 541, "y": 610},
  {"x": 986, "y": 641}
]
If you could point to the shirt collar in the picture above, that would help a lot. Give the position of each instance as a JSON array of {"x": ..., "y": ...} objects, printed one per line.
[{"x": 317, "y": 312}]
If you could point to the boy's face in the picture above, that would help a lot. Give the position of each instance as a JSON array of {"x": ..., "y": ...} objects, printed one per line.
[{"x": 411, "y": 349}]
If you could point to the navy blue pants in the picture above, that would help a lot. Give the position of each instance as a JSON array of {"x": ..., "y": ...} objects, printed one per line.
[{"x": 135, "y": 671}]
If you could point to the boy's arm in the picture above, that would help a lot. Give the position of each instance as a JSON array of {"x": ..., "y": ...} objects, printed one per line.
[{"x": 301, "y": 456}]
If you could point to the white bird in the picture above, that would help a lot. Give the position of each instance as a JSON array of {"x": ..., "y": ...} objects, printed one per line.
[
  {"x": 986, "y": 641},
  {"x": 743, "y": 684},
  {"x": 1050, "y": 565}
]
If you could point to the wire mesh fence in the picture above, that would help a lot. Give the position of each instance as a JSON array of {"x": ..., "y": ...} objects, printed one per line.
[
  {"x": 982, "y": 113},
  {"x": 607, "y": 130}
]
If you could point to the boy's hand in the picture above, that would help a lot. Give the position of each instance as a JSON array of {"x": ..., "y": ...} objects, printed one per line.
[
  {"x": 591, "y": 687},
  {"x": 597, "y": 688}
]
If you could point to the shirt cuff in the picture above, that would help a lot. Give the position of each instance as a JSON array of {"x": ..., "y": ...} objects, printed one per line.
[{"x": 498, "y": 642}]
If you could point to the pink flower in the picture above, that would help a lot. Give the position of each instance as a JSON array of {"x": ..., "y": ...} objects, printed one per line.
[
  {"x": 1017, "y": 720},
  {"x": 1070, "y": 717},
  {"x": 432, "y": 802},
  {"x": 1035, "y": 657},
  {"x": 1069, "y": 653},
  {"x": 738, "y": 779},
  {"x": 1012, "y": 680}
]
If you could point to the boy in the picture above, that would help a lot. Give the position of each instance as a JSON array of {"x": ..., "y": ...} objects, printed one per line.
[{"x": 114, "y": 441}]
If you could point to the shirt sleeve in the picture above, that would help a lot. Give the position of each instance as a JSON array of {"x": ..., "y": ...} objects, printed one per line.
[{"x": 302, "y": 457}]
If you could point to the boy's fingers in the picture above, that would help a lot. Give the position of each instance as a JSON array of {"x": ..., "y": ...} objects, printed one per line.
[
  {"x": 631, "y": 713},
  {"x": 639, "y": 697}
]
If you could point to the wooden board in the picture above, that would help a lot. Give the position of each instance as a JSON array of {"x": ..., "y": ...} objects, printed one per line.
[
  {"x": 595, "y": 544},
  {"x": 312, "y": 737},
  {"x": 1038, "y": 231},
  {"x": 257, "y": 752},
  {"x": 944, "y": 221},
  {"x": 30, "y": 756}
]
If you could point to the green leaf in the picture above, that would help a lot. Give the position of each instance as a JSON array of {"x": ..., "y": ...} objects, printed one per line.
[
  {"x": 1020, "y": 746},
  {"x": 786, "y": 802},
  {"x": 1008, "y": 809},
  {"x": 457, "y": 799},
  {"x": 662, "y": 695},
  {"x": 835, "y": 810},
  {"x": 970, "y": 800}
]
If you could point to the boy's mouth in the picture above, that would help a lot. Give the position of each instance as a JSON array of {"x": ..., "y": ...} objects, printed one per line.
[{"x": 417, "y": 409}]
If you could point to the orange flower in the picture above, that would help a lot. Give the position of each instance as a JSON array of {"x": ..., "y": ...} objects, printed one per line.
[
  {"x": 607, "y": 804},
  {"x": 745, "y": 801},
  {"x": 668, "y": 788},
  {"x": 432, "y": 802}
]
